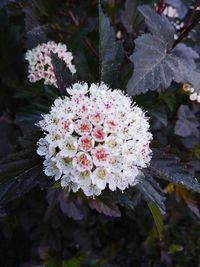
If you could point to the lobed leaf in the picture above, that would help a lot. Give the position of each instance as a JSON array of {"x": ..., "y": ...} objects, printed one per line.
[
  {"x": 169, "y": 167},
  {"x": 35, "y": 32},
  {"x": 130, "y": 17},
  {"x": 18, "y": 185},
  {"x": 111, "y": 52},
  {"x": 107, "y": 208},
  {"x": 187, "y": 123},
  {"x": 158, "y": 25},
  {"x": 156, "y": 64}
]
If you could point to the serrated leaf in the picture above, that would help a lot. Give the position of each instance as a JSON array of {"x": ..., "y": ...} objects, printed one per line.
[
  {"x": 155, "y": 64},
  {"x": 105, "y": 207},
  {"x": 155, "y": 211},
  {"x": 187, "y": 123},
  {"x": 156, "y": 68},
  {"x": 160, "y": 114},
  {"x": 63, "y": 75},
  {"x": 110, "y": 51},
  {"x": 16, "y": 163},
  {"x": 188, "y": 197},
  {"x": 71, "y": 208},
  {"x": 158, "y": 25},
  {"x": 35, "y": 33},
  {"x": 151, "y": 191},
  {"x": 129, "y": 200},
  {"x": 167, "y": 166},
  {"x": 20, "y": 172},
  {"x": 130, "y": 17},
  {"x": 18, "y": 185}
]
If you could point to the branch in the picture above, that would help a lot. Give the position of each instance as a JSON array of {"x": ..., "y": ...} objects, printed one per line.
[
  {"x": 161, "y": 6},
  {"x": 190, "y": 25}
]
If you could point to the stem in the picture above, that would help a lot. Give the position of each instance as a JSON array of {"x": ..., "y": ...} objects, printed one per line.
[
  {"x": 186, "y": 31},
  {"x": 192, "y": 14},
  {"x": 161, "y": 6},
  {"x": 189, "y": 25}
]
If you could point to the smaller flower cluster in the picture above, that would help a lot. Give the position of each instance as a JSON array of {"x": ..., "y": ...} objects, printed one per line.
[
  {"x": 194, "y": 96},
  {"x": 40, "y": 64}
]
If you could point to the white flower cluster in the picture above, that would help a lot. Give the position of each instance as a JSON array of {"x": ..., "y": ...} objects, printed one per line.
[
  {"x": 194, "y": 96},
  {"x": 93, "y": 139},
  {"x": 40, "y": 64}
]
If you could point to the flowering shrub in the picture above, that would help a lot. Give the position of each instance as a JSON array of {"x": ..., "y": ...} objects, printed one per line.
[
  {"x": 40, "y": 64},
  {"x": 95, "y": 138},
  {"x": 87, "y": 172}
]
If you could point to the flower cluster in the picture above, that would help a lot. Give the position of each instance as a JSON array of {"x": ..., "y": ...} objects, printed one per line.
[
  {"x": 40, "y": 64},
  {"x": 194, "y": 96},
  {"x": 95, "y": 138}
]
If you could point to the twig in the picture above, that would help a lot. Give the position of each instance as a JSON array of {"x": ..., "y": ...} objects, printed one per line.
[
  {"x": 161, "y": 7},
  {"x": 192, "y": 14},
  {"x": 75, "y": 20},
  {"x": 91, "y": 47},
  {"x": 190, "y": 25}
]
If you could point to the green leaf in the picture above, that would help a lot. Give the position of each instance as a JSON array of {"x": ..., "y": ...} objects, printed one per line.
[
  {"x": 155, "y": 211},
  {"x": 110, "y": 51},
  {"x": 175, "y": 248},
  {"x": 73, "y": 262}
]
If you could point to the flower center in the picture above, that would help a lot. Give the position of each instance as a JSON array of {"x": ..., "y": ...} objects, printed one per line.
[{"x": 102, "y": 155}]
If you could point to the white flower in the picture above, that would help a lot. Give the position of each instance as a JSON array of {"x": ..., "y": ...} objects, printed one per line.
[
  {"x": 100, "y": 177},
  {"x": 100, "y": 156},
  {"x": 83, "y": 127},
  {"x": 96, "y": 116},
  {"x": 116, "y": 163},
  {"x": 86, "y": 143},
  {"x": 68, "y": 182},
  {"x": 40, "y": 65},
  {"x": 68, "y": 146},
  {"x": 195, "y": 95},
  {"x": 117, "y": 181},
  {"x": 94, "y": 139},
  {"x": 66, "y": 126},
  {"x": 113, "y": 143},
  {"x": 99, "y": 134},
  {"x": 82, "y": 162},
  {"x": 44, "y": 149},
  {"x": 82, "y": 178},
  {"x": 52, "y": 170},
  {"x": 91, "y": 190},
  {"x": 111, "y": 124},
  {"x": 63, "y": 163}
]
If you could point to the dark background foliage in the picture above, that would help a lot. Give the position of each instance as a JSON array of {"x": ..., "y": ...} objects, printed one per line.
[{"x": 40, "y": 225}]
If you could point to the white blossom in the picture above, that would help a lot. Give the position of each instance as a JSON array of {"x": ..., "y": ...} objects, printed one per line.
[
  {"x": 194, "y": 94},
  {"x": 40, "y": 65},
  {"x": 95, "y": 139}
]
